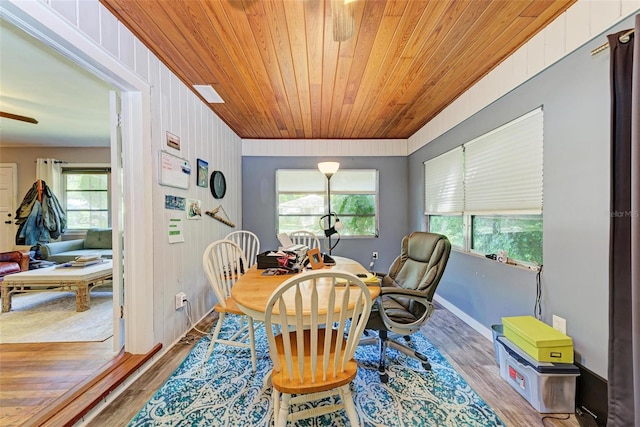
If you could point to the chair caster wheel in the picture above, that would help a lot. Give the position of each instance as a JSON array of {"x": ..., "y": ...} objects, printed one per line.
[
  {"x": 407, "y": 338},
  {"x": 426, "y": 366},
  {"x": 384, "y": 378}
]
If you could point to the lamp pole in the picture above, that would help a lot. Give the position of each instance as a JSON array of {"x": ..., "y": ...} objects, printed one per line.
[
  {"x": 328, "y": 169},
  {"x": 329, "y": 175}
]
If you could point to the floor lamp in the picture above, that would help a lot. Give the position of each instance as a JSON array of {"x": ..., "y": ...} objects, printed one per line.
[{"x": 328, "y": 169}]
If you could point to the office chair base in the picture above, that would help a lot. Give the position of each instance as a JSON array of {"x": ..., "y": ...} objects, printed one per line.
[{"x": 385, "y": 341}]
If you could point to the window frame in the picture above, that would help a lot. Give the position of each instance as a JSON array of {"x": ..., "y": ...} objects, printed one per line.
[
  {"x": 468, "y": 215},
  {"x": 85, "y": 169},
  {"x": 323, "y": 193}
]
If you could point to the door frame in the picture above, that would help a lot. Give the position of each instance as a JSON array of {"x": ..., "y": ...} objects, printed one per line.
[
  {"x": 47, "y": 26},
  {"x": 13, "y": 204}
]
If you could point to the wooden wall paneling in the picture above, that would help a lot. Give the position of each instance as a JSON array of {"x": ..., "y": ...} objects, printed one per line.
[{"x": 89, "y": 19}]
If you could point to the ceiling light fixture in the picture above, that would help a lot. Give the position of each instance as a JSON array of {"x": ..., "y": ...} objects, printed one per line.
[
  {"x": 18, "y": 117},
  {"x": 209, "y": 94},
  {"x": 344, "y": 25}
]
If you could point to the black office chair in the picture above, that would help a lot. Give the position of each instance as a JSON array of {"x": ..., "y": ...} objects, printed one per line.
[{"x": 405, "y": 301}]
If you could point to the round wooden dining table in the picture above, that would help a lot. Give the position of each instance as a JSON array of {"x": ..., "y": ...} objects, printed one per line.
[{"x": 252, "y": 290}]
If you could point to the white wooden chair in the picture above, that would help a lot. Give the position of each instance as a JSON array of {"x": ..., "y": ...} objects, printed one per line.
[
  {"x": 248, "y": 242},
  {"x": 304, "y": 237},
  {"x": 313, "y": 358},
  {"x": 224, "y": 262}
]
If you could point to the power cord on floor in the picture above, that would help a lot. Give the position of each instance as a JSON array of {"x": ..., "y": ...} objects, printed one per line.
[
  {"x": 549, "y": 417},
  {"x": 190, "y": 338}
]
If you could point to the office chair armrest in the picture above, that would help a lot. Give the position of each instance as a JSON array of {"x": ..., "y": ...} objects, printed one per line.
[{"x": 413, "y": 295}]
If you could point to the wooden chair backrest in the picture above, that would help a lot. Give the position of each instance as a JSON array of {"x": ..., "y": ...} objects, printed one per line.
[
  {"x": 305, "y": 319},
  {"x": 224, "y": 262},
  {"x": 303, "y": 237},
  {"x": 248, "y": 242}
]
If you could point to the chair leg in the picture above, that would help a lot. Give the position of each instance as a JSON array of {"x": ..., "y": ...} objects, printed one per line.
[
  {"x": 349, "y": 406},
  {"x": 424, "y": 360},
  {"x": 252, "y": 343},
  {"x": 283, "y": 413},
  {"x": 214, "y": 337},
  {"x": 276, "y": 405}
]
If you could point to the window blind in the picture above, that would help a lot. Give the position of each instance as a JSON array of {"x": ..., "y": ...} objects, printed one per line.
[
  {"x": 300, "y": 181},
  {"x": 444, "y": 189},
  {"x": 503, "y": 168},
  {"x": 344, "y": 181},
  {"x": 355, "y": 181}
]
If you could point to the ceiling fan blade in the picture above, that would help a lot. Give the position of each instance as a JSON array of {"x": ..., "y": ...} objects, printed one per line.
[{"x": 18, "y": 117}]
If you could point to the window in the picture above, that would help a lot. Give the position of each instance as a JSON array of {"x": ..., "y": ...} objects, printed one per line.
[
  {"x": 486, "y": 195},
  {"x": 86, "y": 198},
  {"x": 302, "y": 194}
]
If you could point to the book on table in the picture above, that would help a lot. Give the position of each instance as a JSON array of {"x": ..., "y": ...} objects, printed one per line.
[{"x": 83, "y": 261}]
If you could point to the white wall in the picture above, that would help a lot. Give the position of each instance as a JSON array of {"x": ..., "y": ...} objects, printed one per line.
[
  {"x": 324, "y": 147},
  {"x": 176, "y": 109}
]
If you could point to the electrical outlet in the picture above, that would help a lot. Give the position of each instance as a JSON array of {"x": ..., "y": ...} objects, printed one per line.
[
  {"x": 374, "y": 255},
  {"x": 181, "y": 299},
  {"x": 560, "y": 324}
]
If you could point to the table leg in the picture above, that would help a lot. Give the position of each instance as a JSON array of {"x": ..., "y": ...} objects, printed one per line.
[
  {"x": 82, "y": 297},
  {"x": 6, "y": 298}
]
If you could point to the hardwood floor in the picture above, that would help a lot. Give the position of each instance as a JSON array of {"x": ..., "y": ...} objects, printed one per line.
[
  {"x": 469, "y": 352},
  {"x": 34, "y": 376}
]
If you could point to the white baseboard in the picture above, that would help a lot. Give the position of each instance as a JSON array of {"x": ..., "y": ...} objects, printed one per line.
[{"x": 479, "y": 327}]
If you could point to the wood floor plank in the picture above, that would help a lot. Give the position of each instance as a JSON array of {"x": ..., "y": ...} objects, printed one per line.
[{"x": 469, "y": 353}]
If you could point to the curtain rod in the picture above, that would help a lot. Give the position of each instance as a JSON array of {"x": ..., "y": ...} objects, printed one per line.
[
  {"x": 624, "y": 38},
  {"x": 55, "y": 162}
]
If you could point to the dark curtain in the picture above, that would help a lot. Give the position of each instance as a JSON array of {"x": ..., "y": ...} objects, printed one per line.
[{"x": 624, "y": 292}]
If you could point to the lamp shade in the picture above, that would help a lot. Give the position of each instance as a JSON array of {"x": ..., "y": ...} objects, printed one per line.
[{"x": 328, "y": 168}]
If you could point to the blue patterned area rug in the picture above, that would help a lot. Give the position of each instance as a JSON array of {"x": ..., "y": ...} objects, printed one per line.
[{"x": 225, "y": 392}]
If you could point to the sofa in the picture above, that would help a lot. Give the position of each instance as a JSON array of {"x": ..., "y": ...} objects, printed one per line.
[
  {"x": 13, "y": 262},
  {"x": 96, "y": 241}
]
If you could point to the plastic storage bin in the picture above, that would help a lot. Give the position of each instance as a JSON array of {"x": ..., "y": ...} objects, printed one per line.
[
  {"x": 538, "y": 339},
  {"x": 548, "y": 387},
  {"x": 497, "y": 331}
]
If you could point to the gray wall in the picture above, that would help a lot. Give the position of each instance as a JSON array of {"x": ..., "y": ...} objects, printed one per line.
[
  {"x": 259, "y": 203},
  {"x": 575, "y": 96},
  {"x": 26, "y": 157}
]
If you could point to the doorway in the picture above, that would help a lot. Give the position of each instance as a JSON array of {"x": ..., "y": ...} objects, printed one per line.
[{"x": 134, "y": 238}]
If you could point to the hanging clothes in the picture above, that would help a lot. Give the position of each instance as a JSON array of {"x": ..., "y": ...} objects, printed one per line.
[{"x": 40, "y": 217}]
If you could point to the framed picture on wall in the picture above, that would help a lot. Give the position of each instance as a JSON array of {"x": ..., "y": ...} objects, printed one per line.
[
  {"x": 203, "y": 173},
  {"x": 194, "y": 209},
  {"x": 173, "y": 141}
]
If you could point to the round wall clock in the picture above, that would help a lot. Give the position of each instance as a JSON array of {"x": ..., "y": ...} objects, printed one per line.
[{"x": 217, "y": 184}]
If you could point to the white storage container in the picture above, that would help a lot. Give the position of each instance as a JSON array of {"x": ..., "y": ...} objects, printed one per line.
[
  {"x": 548, "y": 387},
  {"x": 497, "y": 331}
]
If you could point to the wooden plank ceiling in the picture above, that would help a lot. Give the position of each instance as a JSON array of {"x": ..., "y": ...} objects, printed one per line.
[{"x": 281, "y": 74}]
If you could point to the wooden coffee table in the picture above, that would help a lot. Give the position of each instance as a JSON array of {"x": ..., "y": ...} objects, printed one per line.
[{"x": 77, "y": 279}]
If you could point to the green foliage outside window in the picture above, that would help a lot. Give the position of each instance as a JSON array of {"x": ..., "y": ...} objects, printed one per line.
[
  {"x": 87, "y": 200},
  {"x": 357, "y": 212},
  {"x": 450, "y": 226},
  {"x": 519, "y": 235}
]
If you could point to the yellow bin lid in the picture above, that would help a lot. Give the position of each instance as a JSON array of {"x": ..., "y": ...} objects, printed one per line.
[{"x": 536, "y": 332}]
